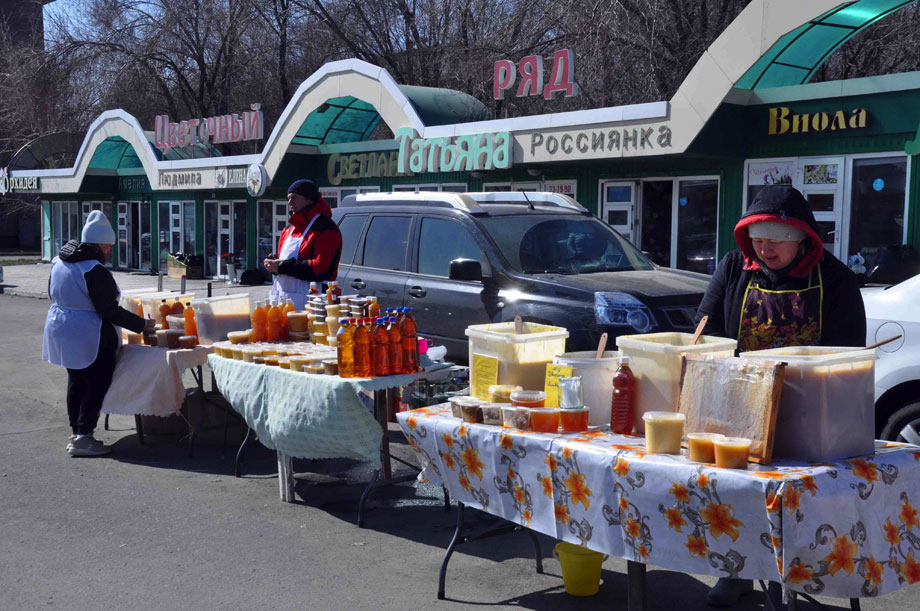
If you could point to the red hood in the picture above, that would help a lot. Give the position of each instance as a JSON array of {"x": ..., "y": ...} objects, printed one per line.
[
  {"x": 814, "y": 250},
  {"x": 300, "y": 220}
]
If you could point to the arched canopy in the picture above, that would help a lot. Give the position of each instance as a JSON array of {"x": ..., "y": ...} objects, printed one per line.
[
  {"x": 350, "y": 119},
  {"x": 795, "y": 57},
  {"x": 115, "y": 153}
]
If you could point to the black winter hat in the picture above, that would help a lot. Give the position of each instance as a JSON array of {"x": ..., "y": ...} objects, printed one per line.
[
  {"x": 783, "y": 201},
  {"x": 306, "y": 188}
]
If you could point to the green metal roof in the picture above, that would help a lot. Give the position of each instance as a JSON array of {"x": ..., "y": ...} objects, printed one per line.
[
  {"x": 116, "y": 153},
  {"x": 349, "y": 119},
  {"x": 795, "y": 57}
]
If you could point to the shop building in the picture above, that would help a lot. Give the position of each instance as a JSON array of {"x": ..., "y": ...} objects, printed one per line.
[{"x": 673, "y": 175}]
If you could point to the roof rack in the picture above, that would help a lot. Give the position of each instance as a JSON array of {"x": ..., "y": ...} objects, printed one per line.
[
  {"x": 518, "y": 197},
  {"x": 438, "y": 199}
]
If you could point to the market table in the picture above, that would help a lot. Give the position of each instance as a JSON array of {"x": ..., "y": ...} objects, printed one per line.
[
  {"x": 306, "y": 415},
  {"x": 148, "y": 382},
  {"x": 842, "y": 529}
]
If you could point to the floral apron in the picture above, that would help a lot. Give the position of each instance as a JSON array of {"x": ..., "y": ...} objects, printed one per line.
[{"x": 773, "y": 319}]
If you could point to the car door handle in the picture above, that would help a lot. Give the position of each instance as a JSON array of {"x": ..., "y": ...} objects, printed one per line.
[
  {"x": 357, "y": 283},
  {"x": 417, "y": 291}
]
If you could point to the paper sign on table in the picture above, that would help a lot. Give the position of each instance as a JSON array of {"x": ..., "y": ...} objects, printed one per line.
[
  {"x": 551, "y": 386},
  {"x": 485, "y": 374}
]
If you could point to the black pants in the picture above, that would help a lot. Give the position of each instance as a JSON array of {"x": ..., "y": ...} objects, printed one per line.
[{"x": 86, "y": 389}]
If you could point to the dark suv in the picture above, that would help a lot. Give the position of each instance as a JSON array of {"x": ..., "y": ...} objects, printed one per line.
[{"x": 461, "y": 259}]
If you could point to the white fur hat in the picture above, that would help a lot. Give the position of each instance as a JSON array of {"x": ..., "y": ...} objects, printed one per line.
[
  {"x": 97, "y": 229},
  {"x": 770, "y": 230}
]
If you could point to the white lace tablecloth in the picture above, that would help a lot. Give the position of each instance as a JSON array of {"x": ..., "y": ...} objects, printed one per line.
[
  {"x": 845, "y": 529},
  {"x": 148, "y": 380},
  {"x": 305, "y": 415}
]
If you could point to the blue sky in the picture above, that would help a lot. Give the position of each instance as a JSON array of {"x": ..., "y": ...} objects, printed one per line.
[{"x": 68, "y": 8}]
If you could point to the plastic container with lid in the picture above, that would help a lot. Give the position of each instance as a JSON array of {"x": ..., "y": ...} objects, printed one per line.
[
  {"x": 654, "y": 359},
  {"x": 492, "y": 413},
  {"x": 574, "y": 420},
  {"x": 827, "y": 406},
  {"x": 217, "y": 316},
  {"x": 596, "y": 380},
  {"x": 544, "y": 419},
  {"x": 501, "y": 393},
  {"x": 522, "y": 357},
  {"x": 176, "y": 322},
  {"x": 528, "y": 398},
  {"x": 130, "y": 298}
]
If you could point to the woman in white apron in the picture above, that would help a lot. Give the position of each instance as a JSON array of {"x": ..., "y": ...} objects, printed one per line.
[
  {"x": 309, "y": 247},
  {"x": 80, "y": 329}
]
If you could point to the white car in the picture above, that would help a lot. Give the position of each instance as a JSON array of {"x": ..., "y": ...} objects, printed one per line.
[{"x": 895, "y": 310}]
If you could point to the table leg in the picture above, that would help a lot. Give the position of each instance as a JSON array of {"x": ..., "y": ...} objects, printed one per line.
[
  {"x": 238, "y": 467},
  {"x": 286, "y": 477},
  {"x": 442, "y": 575},
  {"x": 106, "y": 423},
  {"x": 364, "y": 495},
  {"x": 635, "y": 572},
  {"x": 139, "y": 425},
  {"x": 774, "y": 592},
  {"x": 446, "y": 499},
  {"x": 536, "y": 547},
  {"x": 381, "y": 400}
]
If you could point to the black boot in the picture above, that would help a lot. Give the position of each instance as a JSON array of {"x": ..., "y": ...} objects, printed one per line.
[{"x": 728, "y": 591}]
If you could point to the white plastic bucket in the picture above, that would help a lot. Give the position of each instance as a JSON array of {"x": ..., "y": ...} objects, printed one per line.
[{"x": 596, "y": 380}]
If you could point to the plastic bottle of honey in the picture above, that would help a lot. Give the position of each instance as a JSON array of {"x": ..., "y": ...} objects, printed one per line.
[
  {"x": 333, "y": 292},
  {"x": 373, "y": 308},
  {"x": 275, "y": 323},
  {"x": 191, "y": 327},
  {"x": 381, "y": 349},
  {"x": 165, "y": 311},
  {"x": 313, "y": 290},
  {"x": 622, "y": 408},
  {"x": 409, "y": 332},
  {"x": 363, "y": 368},
  {"x": 177, "y": 308},
  {"x": 140, "y": 309},
  {"x": 259, "y": 321},
  {"x": 288, "y": 307},
  {"x": 345, "y": 346},
  {"x": 395, "y": 347}
]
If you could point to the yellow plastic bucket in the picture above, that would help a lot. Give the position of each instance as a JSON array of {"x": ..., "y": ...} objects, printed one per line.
[{"x": 581, "y": 568}]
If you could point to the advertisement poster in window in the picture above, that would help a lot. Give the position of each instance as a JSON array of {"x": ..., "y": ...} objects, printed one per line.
[
  {"x": 821, "y": 174},
  {"x": 771, "y": 173}
]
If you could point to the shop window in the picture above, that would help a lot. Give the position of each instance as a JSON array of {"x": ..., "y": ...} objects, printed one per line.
[
  {"x": 163, "y": 213},
  {"x": 387, "y": 242},
  {"x": 350, "y": 226},
  {"x": 761, "y": 174},
  {"x": 697, "y": 218},
  {"x": 657, "y": 204},
  {"x": 188, "y": 227},
  {"x": 877, "y": 206},
  {"x": 239, "y": 235},
  {"x": 440, "y": 242}
]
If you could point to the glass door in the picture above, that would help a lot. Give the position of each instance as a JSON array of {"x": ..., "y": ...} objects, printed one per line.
[
  {"x": 618, "y": 207},
  {"x": 821, "y": 182},
  {"x": 224, "y": 236},
  {"x": 697, "y": 223},
  {"x": 124, "y": 236},
  {"x": 655, "y": 212}
]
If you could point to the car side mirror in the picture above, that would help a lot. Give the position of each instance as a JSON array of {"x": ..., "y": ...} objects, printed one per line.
[{"x": 465, "y": 269}]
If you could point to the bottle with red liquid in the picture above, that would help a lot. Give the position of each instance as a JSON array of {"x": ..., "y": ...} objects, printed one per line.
[
  {"x": 623, "y": 406},
  {"x": 381, "y": 349},
  {"x": 409, "y": 332},
  {"x": 395, "y": 347}
]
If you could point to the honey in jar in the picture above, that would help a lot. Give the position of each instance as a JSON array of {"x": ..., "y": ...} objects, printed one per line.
[{"x": 700, "y": 447}]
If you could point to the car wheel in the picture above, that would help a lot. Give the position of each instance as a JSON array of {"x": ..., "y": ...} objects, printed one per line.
[{"x": 904, "y": 424}]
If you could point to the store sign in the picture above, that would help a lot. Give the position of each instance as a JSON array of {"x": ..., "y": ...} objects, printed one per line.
[
  {"x": 182, "y": 180},
  {"x": 256, "y": 180},
  {"x": 458, "y": 154},
  {"x": 133, "y": 183},
  {"x": 781, "y": 120},
  {"x": 8, "y": 183},
  {"x": 230, "y": 178},
  {"x": 598, "y": 142},
  {"x": 361, "y": 165},
  {"x": 217, "y": 130},
  {"x": 530, "y": 69}
]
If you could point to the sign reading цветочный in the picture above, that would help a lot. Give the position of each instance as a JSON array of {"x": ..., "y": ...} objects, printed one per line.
[{"x": 216, "y": 130}]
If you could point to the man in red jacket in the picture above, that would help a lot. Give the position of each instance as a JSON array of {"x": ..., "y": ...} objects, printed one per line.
[{"x": 309, "y": 247}]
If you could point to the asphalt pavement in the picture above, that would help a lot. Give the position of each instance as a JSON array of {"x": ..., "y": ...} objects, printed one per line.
[{"x": 150, "y": 528}]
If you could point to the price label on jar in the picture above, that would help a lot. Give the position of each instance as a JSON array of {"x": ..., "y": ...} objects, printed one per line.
[
  {"x": 485, "y": 374},
  {"x": 551, "y": 386}
]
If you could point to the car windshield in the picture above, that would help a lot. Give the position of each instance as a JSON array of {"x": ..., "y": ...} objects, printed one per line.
[{"x": 544, "y": 244}]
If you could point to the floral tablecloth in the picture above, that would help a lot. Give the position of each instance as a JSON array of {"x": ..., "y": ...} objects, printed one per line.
[{"x": 843, "y": 529}]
